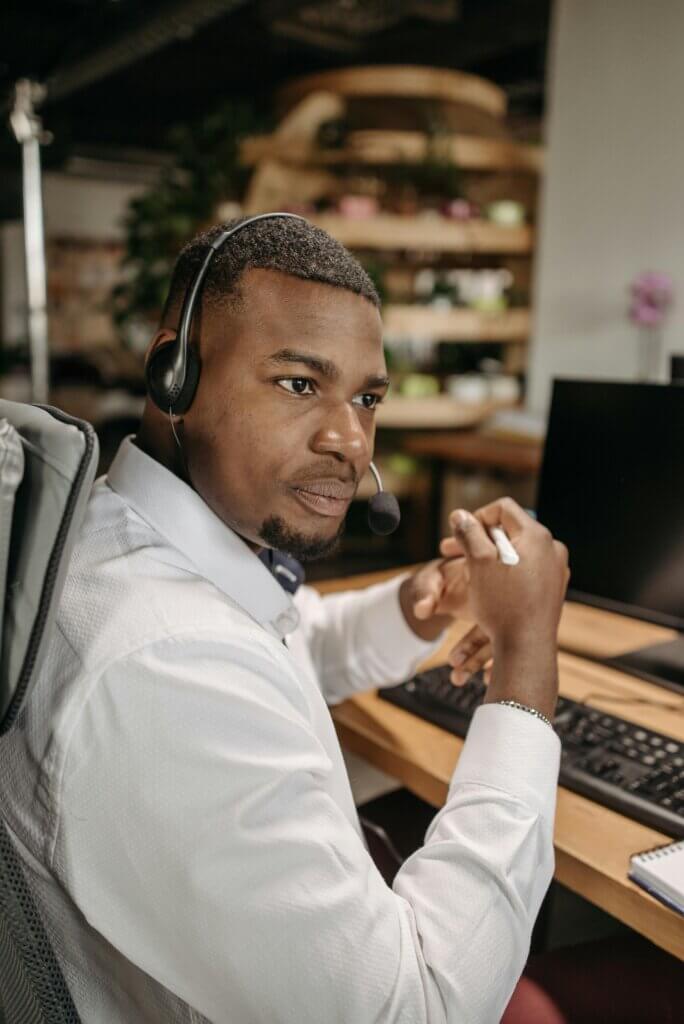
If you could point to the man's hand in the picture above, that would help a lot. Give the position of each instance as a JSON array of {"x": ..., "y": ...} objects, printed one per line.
[
  {"x": 427, "y": 607},
  {"x": 517, "y": 607},
  {"x": 432, "y": 598}
]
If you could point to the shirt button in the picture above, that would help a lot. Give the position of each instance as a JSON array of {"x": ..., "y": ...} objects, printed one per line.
[{"x": 287, "y": 621}]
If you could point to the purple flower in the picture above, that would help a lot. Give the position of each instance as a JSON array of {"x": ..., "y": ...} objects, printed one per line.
[{"x": 651, "y": 294}]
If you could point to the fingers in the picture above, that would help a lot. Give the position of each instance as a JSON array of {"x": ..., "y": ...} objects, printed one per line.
[
  {"x": 428, "y": 588},
  {"x": 453, "y": 600},
  {"x": 563, "y": 557},
  {"x": 472, "y": 536},
  {"x": 561, "y": 553},
  {"x": 504, "y": 512},
  {"x": 471, "y": 653},
  {"x": 450, "y": 547}
]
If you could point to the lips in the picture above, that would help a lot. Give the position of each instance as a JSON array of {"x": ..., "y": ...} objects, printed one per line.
[{"x": 327, "y": 497}]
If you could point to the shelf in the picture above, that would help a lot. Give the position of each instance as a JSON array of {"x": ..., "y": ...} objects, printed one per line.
[
  {"x": 435, "y": 234},
  {"x": 477, "y": 449},
  {"x": 438, "y": 412},
  {"x": 401, "y": 485},
  {"x": 468, "y": 152},
  {"x": 402, "y": 81},
  {"x": 510, "y": 326}
]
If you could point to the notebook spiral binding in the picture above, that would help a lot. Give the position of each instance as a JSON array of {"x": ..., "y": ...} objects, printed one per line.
[{"x": 659, "y": 851}]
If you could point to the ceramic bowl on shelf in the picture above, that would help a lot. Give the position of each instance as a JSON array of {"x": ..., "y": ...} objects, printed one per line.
[
  {"x": 468, "y": 388},
  {"x": 507, "y": 213},
  {"x": 504, "y": 388}
]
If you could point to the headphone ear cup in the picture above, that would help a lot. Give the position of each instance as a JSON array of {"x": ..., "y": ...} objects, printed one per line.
[
  {"x": 159, "y": 379},
  {"x": 185, "y": 396}
]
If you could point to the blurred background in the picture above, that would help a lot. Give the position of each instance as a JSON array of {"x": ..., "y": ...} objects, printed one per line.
[{"x": 508, "y": 171}]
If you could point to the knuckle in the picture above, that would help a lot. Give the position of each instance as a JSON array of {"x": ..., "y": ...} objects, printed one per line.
[{"x": 561, "y": 551}]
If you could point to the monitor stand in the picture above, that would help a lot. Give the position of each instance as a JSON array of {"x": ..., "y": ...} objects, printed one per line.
[{"x": 662, "y": 663}]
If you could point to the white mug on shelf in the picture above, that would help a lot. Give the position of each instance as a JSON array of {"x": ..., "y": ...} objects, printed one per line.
[{"x": 468, "y": 388}]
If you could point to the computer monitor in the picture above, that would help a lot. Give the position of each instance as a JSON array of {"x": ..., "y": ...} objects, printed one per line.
[{"x": 612, "y": 489}]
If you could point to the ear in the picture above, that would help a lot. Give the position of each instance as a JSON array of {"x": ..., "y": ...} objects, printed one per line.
[{"x": 163, "y": 336}]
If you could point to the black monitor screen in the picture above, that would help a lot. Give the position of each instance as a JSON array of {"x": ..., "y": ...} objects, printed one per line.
[{"x": 612, "y": 489}]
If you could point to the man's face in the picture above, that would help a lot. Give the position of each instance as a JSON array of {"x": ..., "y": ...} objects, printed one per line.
[{"x": 282, "y": 427}]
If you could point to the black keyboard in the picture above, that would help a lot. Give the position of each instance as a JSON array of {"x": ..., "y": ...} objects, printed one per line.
[{"x": 632, "y": 770}]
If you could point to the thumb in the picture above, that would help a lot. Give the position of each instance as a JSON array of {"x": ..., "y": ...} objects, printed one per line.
[
  {"x": 471, "y": 535},
  {"x": 428, "y": 585}
]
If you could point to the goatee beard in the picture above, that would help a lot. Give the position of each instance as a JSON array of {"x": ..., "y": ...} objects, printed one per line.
[{"x": 277, "y": 534}]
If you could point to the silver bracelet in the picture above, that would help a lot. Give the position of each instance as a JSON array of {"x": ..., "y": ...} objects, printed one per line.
[{"x": 524, "y": 707}]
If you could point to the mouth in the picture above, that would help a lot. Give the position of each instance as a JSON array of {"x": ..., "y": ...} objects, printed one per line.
[{"x": 329, "y": 497}]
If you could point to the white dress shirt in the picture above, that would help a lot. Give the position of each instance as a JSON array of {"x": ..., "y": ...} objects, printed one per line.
[{"x": 179, "y": 799}]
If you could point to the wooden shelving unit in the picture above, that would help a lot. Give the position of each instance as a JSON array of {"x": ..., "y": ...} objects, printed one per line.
[
  {"x": 404, "y": 81},
  {"x": 436, "y": 412},
  {"x": 427, "y": 233},
  {"x": 465, "y": 325},
  {"x": 293, "y": 167},
  {"x": 469, "y": 152}
]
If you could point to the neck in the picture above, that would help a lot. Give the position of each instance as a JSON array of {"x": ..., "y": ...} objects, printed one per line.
[
  {"x": 161, "y": 445},
  {"x": 157, "y": 440}
]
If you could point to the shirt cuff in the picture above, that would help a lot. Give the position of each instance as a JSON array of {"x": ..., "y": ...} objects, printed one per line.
[
  {"x": 402, "y": 650},
  {"x": 511, "y": 750}
]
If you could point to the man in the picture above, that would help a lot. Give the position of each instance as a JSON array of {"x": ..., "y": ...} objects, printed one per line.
[{"x": 180, "y": 795}]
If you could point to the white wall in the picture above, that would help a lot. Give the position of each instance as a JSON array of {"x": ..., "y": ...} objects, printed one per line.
[
  {"x": 73, "y": 207},
  {"x": 613, "y": 202},
  {"x": 85, "y": 208}
]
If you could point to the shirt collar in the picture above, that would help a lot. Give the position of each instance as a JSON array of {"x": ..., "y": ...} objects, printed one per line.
[{"x": 180, "y": 515}]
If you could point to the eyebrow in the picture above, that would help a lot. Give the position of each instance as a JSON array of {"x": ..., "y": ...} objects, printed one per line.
[{"x": 325, "y": 367}]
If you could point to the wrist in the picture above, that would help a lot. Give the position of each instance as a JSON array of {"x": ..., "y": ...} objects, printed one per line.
[
  {"x": 519, "y": 646},
  {"x": 527, "y": 673}
]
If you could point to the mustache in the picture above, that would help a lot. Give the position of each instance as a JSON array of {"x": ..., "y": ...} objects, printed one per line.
[{"x": 328, "y": 471}]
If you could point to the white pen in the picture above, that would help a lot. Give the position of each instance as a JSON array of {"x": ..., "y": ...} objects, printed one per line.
[{"x": 507, "y": 553}]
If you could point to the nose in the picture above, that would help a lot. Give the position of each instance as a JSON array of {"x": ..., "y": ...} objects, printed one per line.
[{"x": 342, "y": 435}]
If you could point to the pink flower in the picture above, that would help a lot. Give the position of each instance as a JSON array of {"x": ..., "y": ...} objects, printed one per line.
[{"x": 651, "y": 294}]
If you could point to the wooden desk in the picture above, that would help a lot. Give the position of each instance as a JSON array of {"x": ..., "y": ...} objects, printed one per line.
[
  {"x": 593, "y": 844},
  {"x": 469, "y": 448}
]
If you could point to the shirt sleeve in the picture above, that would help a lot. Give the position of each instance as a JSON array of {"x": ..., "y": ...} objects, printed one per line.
[
  {"x": 197, "y": 834},
  {"x": 359, "y": 639}
]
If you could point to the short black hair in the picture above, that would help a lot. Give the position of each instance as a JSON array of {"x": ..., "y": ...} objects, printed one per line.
[{"x": 291, "y": 246}]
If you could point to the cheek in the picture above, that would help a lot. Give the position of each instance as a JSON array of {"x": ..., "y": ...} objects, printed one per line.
[{"x": 250, "y": 453}]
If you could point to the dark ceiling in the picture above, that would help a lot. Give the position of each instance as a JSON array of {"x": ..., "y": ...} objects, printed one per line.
[{"x": 124, "y": 71}]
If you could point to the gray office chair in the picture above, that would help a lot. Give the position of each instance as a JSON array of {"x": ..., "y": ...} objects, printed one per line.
[{"x": 47, "y": 465}]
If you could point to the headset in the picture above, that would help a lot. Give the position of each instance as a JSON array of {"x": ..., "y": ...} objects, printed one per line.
[{"x": 172, "y": 372}]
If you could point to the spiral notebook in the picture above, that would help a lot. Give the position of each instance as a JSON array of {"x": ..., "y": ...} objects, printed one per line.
[{"x": 661, "y": 873}]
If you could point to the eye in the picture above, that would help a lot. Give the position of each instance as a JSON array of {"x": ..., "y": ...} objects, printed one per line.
[
  {"x": 297, "y": 385},
  {"x": 368, "y": 400}
]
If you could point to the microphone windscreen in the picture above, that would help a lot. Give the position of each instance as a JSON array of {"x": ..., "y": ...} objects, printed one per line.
[{"x": 383, "y": 513}]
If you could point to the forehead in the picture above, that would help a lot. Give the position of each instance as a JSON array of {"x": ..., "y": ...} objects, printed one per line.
[{"x": 278, "y": 310}]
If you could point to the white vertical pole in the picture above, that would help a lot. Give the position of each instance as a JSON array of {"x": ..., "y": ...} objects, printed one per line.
[{"x": 27, "y": 128}]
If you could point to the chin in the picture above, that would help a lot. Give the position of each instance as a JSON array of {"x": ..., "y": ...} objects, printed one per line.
[{"x": 276, "y": 533}]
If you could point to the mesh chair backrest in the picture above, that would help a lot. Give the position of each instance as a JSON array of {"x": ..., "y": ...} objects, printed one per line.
[
  {"x": 47, "y": 465},
  {"x": 32, "y": 989}
]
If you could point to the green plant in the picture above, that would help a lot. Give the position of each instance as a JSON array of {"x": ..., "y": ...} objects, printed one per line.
[
  {"x": 376, "y": 272},
  {"x": 438, "y": 174},
  {"x": 435, "y": 175},
  {"x": 205, "y": 172}
]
